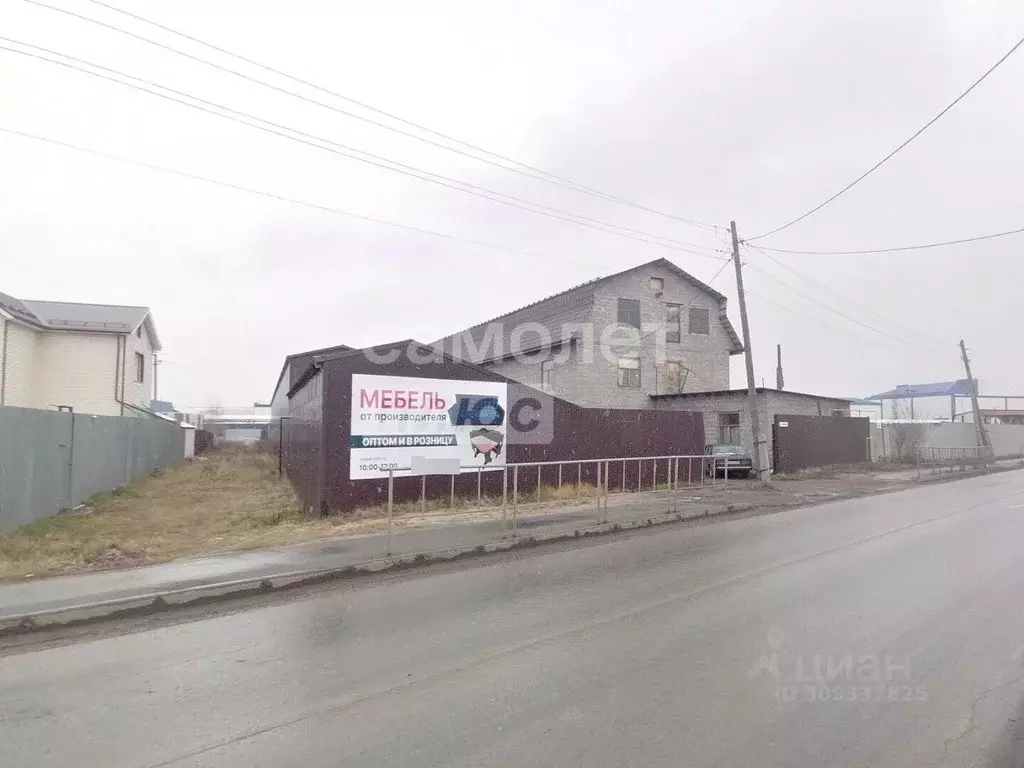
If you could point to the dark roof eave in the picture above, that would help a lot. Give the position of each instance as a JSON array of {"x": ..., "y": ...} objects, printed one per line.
[
  {"x": 555, "y": 344},
  {"x": 406, "y": 343},
  {"x": 311, "y": 370},
  {"x": 662, "y": 262},
  {"x": 289, "y": 358},
  {"x": 759, "y": 390}
]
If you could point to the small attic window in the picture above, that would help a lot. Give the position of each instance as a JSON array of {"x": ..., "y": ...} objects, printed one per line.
[
  {"x": 138, "y": 332},
  {"x": 657, "y": 284}
]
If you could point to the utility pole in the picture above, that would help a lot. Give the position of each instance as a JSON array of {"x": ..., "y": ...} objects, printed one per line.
[
  {"x": 156, "y": 364},
  {"x": 979, "y": 427},
  {"x": 780, "y": 383},
  {"x": 760, "y": 457}
]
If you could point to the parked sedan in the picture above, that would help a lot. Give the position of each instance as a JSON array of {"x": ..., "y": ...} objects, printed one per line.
[{"x": 735, "y": 457}]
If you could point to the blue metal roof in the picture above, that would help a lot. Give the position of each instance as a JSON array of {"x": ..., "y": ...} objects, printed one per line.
[{"x": 961, "y": 387}]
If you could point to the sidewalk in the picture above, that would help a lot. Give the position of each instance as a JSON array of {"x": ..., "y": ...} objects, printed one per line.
[
  {"x": 91, "y": 595},
  {"x": 91, "y": 591}
]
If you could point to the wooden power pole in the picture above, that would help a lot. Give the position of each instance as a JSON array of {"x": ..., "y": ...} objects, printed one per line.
[
  {"x": 780, "y": 382},
  {"x": 979, "y": 426},
  {"x": 760, "y": 457}
]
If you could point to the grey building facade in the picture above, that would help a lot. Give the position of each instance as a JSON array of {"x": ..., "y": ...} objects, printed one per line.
[
  {"x": 612, "y": 342},
  {"x": 727, "y": 420}
]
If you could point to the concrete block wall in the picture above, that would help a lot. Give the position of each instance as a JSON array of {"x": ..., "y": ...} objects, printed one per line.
[
  {"x": 710, "y": 406},
  {"x": 770, "y": 403},
  {"x": 526, "y": 369},
  {"x": 1007, "y": 439},
  {"x": 588, "y": 374}
]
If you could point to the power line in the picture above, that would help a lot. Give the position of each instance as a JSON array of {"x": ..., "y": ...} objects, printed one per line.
[
  {"x": 283, "y": 198},
  {"x": 384, "y": 163},
  {"x": 881, "y": 162},
  {"x": 896, "y": 249},
  {"x": 785, "y": 308},
  {"x": 830, "y": 308},
  {"x": 824, "y": 287},
  {"x": 530, "y": 171},
  {"x": 797, "y": 313}
]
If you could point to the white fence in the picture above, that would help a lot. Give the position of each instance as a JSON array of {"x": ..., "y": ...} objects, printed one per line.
[
  {"x": 51, "y": 460},
  {"x": 1007, "y": 439}
]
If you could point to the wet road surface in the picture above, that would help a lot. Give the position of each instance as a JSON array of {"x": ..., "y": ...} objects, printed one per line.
[{"x": 870, "y": 632}]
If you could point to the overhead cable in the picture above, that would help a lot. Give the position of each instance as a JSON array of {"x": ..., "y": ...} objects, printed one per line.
[
  {"x": 520, "y": 168},
  {"x": 881, "y": 162}
]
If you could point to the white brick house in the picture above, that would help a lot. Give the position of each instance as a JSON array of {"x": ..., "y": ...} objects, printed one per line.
[
  {"x": 93, "y": 358},
  {"x": 612, "y": 342},
  {"x": 650, "y": 337}
]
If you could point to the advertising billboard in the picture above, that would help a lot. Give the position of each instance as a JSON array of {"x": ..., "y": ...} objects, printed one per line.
[{"x": 396, "y": 419}]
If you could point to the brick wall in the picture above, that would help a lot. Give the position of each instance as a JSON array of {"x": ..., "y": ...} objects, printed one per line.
[
  {"x": 595, "y": 374},
  {"x": 770, "y": 403}
]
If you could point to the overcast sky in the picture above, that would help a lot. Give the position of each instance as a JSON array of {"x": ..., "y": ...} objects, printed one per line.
[{"x": 753, "y": 111}]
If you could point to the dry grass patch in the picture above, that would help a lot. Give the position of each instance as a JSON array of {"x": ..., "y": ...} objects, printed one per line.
[{"x": 227, "y": 500}]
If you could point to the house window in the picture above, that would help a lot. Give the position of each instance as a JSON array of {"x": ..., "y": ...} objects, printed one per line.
[
  {"x": 672, "y": 328},
  {"x": 700, "y": 321},
  {"x": 673, "y": 377},
  {"x": 546, "y": 367},
  {"x": 837, "y": 412},
  {"x": 729, "y": 428},
  {"x": 140, "y": 367},
  {"x": 138, "y": 331},
  {"x": 657, "y": 284},
  {"x": 629, "y": 372},
  {"x": 629, "y": 312}
]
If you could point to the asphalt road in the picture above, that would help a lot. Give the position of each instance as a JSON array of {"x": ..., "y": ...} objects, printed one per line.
[{"x": 870, "y": 632}]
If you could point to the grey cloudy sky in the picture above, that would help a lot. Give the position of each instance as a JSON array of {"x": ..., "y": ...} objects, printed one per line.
[{"x": 748, "y": 110}]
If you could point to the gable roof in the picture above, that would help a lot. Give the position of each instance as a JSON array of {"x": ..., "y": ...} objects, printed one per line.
[
  {"x": 17, "y": 309},
  {"x": 571, "y": 305},
  {"x": 381, "y": 350},
  {"x": 298, "y": 362},
  {"x": 74, "y": 316}
]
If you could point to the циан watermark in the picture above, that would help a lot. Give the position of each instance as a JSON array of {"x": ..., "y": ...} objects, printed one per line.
[{"x": 835, "y": 676}]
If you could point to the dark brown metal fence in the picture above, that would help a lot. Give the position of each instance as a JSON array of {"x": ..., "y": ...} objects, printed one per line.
[
  {"x": 800, "y": 442},
  {"x": 317, "y": 452},
  {"x": 204, "y": 441}
]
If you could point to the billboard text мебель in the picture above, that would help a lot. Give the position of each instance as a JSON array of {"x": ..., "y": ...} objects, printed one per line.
[{"x": 396, "y": 418}]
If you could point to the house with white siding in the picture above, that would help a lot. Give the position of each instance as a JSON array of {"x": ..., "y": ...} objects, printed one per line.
[{"x": 90, "y": 358}]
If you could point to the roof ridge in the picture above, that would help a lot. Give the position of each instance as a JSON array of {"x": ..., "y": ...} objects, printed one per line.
[
  {"x": 86, "y": 303},
  {"x": 527, "y": 306},
  {"x": 661, "y": 261}
]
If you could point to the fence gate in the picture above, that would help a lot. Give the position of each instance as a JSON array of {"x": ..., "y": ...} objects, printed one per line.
[{"x": 799, "y": 442}]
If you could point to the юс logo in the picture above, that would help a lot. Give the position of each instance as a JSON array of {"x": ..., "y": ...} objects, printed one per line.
[{"x": 476, "y": 411}]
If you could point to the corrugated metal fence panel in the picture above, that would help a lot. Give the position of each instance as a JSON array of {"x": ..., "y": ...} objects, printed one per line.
[
  {"x": 576, "y": 433},
  {"x": 35, "y": 455},
  {"x": 301, "y": 442},
  {"x": 818, "y": 441},
  {"x": 99, "y": 461},
  {"x": 51, "y": 461}
]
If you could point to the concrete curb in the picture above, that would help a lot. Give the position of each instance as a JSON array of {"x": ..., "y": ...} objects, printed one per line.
[
  {"x": 155, "y": 602},
  {"x": 163, "y": 600}
]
